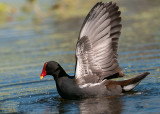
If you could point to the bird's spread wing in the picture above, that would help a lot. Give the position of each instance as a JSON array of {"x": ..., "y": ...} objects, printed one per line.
[{"x": 97, "y": 45}]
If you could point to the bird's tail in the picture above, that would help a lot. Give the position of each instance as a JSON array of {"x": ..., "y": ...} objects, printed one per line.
[{"x": 129, "y": 84}]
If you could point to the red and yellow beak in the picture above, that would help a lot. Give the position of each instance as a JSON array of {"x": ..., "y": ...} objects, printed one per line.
[{"x": 43, "y": 74}]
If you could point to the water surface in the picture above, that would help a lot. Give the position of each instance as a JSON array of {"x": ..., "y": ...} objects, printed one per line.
[{"x": 29, "y": 40}]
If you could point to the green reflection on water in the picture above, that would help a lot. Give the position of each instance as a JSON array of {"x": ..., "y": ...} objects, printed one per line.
[{"x": 9, "y": 106}]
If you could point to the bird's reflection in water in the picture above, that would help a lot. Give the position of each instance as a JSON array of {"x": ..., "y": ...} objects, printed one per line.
[{"x": 109, "y": 105}]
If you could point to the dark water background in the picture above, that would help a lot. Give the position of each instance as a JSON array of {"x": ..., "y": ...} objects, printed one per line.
[{"x": 30, "y": 37}]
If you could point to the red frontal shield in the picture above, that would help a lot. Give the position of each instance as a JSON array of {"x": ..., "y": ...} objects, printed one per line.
[{"x": 43, "y": 74}]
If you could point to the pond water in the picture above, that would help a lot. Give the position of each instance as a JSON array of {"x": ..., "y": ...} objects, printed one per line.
[{"x": 26, "y": 42}]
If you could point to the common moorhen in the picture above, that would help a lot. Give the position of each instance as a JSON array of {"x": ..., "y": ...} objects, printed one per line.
[{"x": 97, "y": 58}]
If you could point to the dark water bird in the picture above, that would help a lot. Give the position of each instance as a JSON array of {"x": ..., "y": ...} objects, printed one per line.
[{"x": 97, "y": 58}]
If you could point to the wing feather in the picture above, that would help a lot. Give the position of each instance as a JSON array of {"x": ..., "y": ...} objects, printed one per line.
[{"x": 97, "y": 44}]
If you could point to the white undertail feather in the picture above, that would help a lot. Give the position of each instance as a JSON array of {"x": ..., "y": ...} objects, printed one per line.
[{"x": 130, "y": 87}]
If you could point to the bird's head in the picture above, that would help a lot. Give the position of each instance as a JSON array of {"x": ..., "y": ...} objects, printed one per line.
[{"x": 50, "y": 68}]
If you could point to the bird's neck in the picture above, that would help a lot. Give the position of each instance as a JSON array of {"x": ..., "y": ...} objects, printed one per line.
[{"x": 60, "y": 73}]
